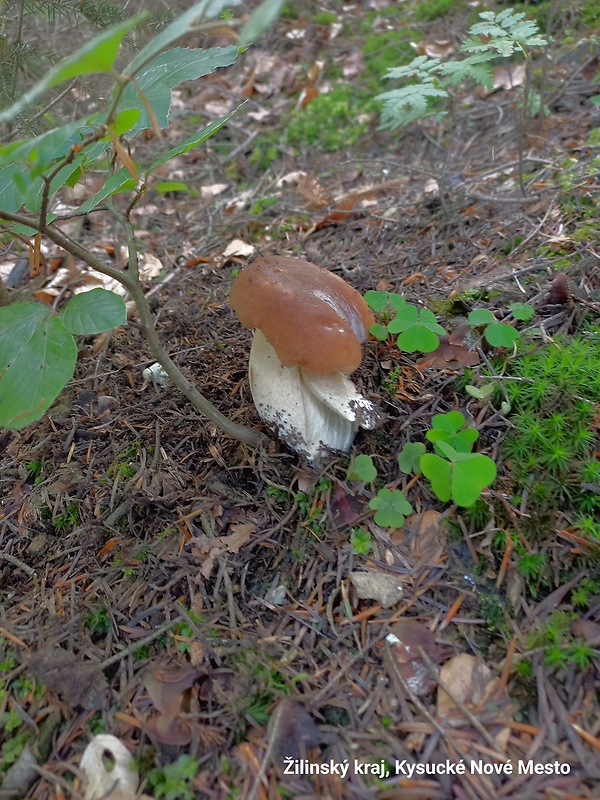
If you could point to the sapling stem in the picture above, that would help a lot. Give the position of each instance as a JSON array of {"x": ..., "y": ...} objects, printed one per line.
[{"x": 242, "y": 433}]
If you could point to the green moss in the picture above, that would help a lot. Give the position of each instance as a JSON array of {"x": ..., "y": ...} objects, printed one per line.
[
  {"x": 428, "y": 10},
  {"x": 332, "y": 121},
  {"x": 382, "y": 51}
]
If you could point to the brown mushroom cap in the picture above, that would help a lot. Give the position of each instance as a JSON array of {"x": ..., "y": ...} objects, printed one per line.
[{"x": 311, "y": 317}]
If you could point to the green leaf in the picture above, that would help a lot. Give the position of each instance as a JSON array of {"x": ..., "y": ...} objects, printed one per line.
[
  {"x": 406, "y": 316},
  {"x": 378, "y": 331},
  {"x": 171, "y": 186},
  {"x": 409, "y": 103},
  {"x": 361, "y": 542},
  {"x": 418, "y": 338},
  {"x": 501, "y": 335},
  {"x": 94, "y": 312},
  {"x": 98, "y": 55},
  {"x": 452, "y": 421},
  {"x": 397, "y": 302},
  {"x": 376, "y": 300},
  {"x": 482, "y": 393},
  {"x": 439, "y": 472},
  {"x": 391, "y": 507},
  {"x": 13, "y": 191},
  {"x": 192, "y": 141},
  {"x": 37, "y": 359},
  {"x": 522, "y": 311},
  {"x": 409, "y": 459},
  {"x": 480, "y": 316},
  {"x": 125, "y": 121},
  {"x": 462, "y": 479},
  {"x": 121, "y": 181},
  {"x": 362, "y": 469},
  {"x": 157, "y": 80},
  {"x": 261, "y": 18},
  {"x": 205, "y": 9}
]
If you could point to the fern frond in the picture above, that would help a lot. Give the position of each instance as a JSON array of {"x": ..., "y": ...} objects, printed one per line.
[
  {"x": 505, "y": 32},
  {"x": 420, "y": 67},
  {"x": 475, "y": 67},
  {"x": 409, "y": 103}
]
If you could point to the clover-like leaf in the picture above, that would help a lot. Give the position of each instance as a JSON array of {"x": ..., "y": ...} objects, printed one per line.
[
  {"x": 409, "y": 458},
  {"x": 376, "y": 300},
  {"x": 522, "y": 311},
  {"x": 482, "y": 392},
  {"x": 449, "y": 428},
  {"x": 362, "y": 469},
  {"x": 480, "y": 316},
  {"x": 380, "y": 332},
  {"x": 462, "y": 477},
  {"x": 501, "y": 335},
  {"x": 406, "y": 316},
  {"x": 391, "y": 508}
]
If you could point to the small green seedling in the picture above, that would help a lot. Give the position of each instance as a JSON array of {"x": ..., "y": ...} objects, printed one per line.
[
  {"x": 450, "y": 429},
  {"x": 459, "y": 476},
  {"x": 418, "y": 328},
  {"x": 391, "y": 508},
  {"x": 522, "y": 311},
  {"x": 361, "y": 542},
  {"x": 481, "y": 392},
  {"x": 497, "y": 334},
  {"x": 362, "y": 469}
]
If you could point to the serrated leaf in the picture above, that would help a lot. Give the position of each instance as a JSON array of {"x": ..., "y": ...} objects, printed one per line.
[
  {"x": 378, "y": 331},
  {"x": 37, "y": 359},
  {"x": 98, "y": 55},
  {"x": 409, "y": 103},
  {"x": 94, "y": 312},
  {"x": 420, "y": 67},
  {"x": 166, "y": 71},
  {"x": 475, "y": 67},
  {"x": 121, "y": 181},
  {"x": 12, "y": 195},
  {"x": 376, "y": 300},
  {"x": 205, "y": 9},
  {"x": 192, "y": 141},
  {"x": 391, "y": 508},
  {"x": 362, "y": 469},
  {"x": 409, "y": 458},
  {"x": 501, "y": 335},
  {"x": 480, "y": 316}
]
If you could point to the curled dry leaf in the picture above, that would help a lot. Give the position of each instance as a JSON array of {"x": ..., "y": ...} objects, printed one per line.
[
  {"x": 120, "y": 781},
  {"x": 408, "y": 638},
  {"x": 210, "y": 548},
  {"x": 237, "y": 247},
  {"x": 468, "y": 680},
  {"x": 380, "y": 586}
]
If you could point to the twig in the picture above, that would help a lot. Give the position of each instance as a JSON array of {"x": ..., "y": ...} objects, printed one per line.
[{"x": 17, "y": 563}]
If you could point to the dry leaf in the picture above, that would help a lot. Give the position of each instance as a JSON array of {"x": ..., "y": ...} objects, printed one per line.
[
  {"x": 292, "y": 732},
  {"x": 210, "y": 548},
  {"x": 150, "y": 266},
  {"x": 380, "y": 586},
  {"x": 120, "y": 781},
  {"x": 77, "y": 682},
  {"x": 237, "y": 247},
  {"x": 468, "y": 680},
  {"x": 426, "y": 535}
]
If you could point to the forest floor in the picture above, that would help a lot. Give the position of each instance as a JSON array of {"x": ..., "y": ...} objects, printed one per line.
[{"x": 195, "y": 598}]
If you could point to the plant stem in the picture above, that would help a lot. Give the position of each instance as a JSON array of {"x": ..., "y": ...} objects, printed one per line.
[{"x": 249, "y": 436}]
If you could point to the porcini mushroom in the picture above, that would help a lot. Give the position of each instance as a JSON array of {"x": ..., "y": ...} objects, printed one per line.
[{"x": 309, "y": 327}]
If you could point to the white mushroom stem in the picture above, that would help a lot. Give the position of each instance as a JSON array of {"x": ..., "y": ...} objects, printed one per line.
[{"x": 313, "y": 413}]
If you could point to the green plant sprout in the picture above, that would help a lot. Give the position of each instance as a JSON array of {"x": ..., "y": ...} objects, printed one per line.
[
  {"x": 496, "y": 36},
  {"x": 417, "y": 328},
  {"x": 453, "y": 471},
  {"x": 172, "y": 782},
  {"x": 361, "y": 540},
  {"x": 497, "y": 334},
  {"x": 38, "y": 350}
]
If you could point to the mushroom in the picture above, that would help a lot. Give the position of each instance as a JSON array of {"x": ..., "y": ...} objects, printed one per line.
[{"x": 309, "y": 326}]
